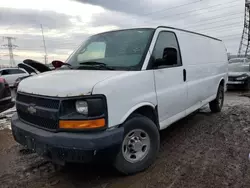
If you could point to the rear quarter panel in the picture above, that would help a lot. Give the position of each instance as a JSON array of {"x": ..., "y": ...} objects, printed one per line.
[{"x": 205, "y": 60}]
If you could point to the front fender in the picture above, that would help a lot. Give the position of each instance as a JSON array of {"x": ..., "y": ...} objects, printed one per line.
[
  {"x": 127, "y": 92},
  {"x": 134, "y": 108}
]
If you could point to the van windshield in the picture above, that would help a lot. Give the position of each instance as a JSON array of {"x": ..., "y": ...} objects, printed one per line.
[{"x": 121, "y": 50}]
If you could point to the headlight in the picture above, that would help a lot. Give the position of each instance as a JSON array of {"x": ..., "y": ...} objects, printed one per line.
[
  {"x": 85, "y": 113},
  {"x": 241, "y": 78},
  {"x": 82, "y": 107}
]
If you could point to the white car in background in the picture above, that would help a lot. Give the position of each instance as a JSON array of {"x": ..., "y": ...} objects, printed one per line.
[{"x": 11, "y": 74}]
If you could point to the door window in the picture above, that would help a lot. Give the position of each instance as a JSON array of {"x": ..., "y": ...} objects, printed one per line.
[
  {"x": 16, "y": 71},
  {"x": 5, "y": 72},
  {"x": 166, "y": 52}
]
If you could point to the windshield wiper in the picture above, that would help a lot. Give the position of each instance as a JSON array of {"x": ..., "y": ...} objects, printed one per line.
[{"x": 96, "y": 64}]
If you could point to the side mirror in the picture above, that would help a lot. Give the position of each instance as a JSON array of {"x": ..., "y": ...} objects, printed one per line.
[
  {"x": 159, "y": 62},
  {"x": 57, "y": 63}
]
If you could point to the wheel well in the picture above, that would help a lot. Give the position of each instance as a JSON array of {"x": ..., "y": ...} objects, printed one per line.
[
  {"x": 222, "y": 82},
  {"x": 149, "y": 112}
]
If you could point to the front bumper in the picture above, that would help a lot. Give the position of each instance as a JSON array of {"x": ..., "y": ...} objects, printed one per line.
[
  {"x": 232, "y": 80},
  {"x": 236, "y": 83},
  {"x": 64, "y": 147}
]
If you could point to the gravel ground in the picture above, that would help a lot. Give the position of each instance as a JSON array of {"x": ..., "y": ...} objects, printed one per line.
[{"x": 202, "y": 150}]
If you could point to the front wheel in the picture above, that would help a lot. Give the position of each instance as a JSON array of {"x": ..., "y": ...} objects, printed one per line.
[
  {"x": 140, "y": 145},
  {"x": 217, "y": 104},
  {"x": 247, "y": 85}
]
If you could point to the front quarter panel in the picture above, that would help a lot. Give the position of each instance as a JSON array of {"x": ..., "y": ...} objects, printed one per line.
[{"x": 127, "y": 92}]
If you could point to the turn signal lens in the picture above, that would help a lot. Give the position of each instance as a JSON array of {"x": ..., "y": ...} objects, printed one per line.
[{"x": 82, "y": 124}]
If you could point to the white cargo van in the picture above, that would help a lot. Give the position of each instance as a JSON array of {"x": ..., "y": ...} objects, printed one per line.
[{"x": 116, "y": 92}]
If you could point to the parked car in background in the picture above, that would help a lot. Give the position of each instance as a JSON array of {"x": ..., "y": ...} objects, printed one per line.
[
  {"x": 239, "y": 73},
  {"x": 32, "y": 67},
  {"x": 5, "y": 95},
  {"x": 11, "y": 74},
  {"x": 238, "y": 60},
  {"x": 116, "y": 92}
]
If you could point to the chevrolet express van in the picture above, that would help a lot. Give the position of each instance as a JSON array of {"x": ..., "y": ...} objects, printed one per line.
[{"x": 115, "y": 93}]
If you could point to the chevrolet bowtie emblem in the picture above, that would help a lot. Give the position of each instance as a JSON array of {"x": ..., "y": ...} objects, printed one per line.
[{"x": 31, "y": 109}]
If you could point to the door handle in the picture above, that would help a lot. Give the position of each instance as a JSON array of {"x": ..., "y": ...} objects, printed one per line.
[{"x": 184, "y": 75}]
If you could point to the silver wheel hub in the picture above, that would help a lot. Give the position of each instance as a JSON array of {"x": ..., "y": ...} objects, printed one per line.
[{"x": 136, "y": 145}]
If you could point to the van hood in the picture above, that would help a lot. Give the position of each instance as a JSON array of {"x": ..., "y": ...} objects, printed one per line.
[{"x": 65, "y": 83}]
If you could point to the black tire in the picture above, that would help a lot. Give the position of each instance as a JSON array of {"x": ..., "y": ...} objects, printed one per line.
[
  {"x": 143, "y": 123},
  {"x": 247, "y": 85},
  {"x": 217, "y": 104}
]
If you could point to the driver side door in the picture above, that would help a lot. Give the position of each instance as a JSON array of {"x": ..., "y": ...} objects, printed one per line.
[{"x": 170, "y": 79}]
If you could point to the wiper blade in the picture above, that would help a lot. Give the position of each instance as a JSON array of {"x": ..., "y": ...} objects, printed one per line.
[
  {"x": 98, "y": 64},
  {"x": 92, "y": 63}
]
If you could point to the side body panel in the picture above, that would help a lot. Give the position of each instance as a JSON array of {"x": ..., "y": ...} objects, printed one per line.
[
  {"x": 206, "y": 64},
  {"x": 127, "y": 92}
]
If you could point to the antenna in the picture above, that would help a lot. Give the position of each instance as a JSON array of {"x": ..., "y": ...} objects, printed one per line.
[{"x": 44, "y": 45}]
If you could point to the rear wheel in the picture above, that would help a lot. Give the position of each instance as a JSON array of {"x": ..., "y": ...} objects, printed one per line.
[
  {"x": 217, "y": 104},
  {"x": 139, "y": 147}
]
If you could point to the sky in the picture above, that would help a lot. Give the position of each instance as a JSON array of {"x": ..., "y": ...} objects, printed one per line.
[{"x": 67, "y": 23}]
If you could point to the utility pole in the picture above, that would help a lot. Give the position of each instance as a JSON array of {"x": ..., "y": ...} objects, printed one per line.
[
  {"x": 244, "y": 49},
  {"x": 44, "y": 45},
  {"x": 10, "y": 46}
]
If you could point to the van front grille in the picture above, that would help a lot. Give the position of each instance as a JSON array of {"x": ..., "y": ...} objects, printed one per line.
[
  {"x": 44, "y": 112},
  {"x": 38, "y": 101}
]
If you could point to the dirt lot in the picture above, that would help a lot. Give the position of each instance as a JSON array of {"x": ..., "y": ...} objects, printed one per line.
[{"x": 202, "y": 150}]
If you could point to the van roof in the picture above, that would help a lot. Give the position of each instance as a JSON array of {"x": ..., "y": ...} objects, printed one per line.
[
  {"x": 154, "y": 28},
  {"x": 189, "y": 32}
]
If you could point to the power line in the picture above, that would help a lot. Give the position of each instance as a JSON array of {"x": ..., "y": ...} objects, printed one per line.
[
  {"x": 216, "y": 17},
  {"x": 191, "y": 11},
  {"x": 219, "y": 26},
  {"x": 158, "y": 11},
  {"x": 197, "y": 25},
  {"x": 234, "y": 35},
  {"x": 172, "y": 15},
  {"x": 171, "y": 8},
  {"x": 200, "y": 9}
]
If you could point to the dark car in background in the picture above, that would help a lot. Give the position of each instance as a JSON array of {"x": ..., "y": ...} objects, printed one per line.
[
  {"x": 32, "y": 67},
  {"x": 5, "y": 95}
]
